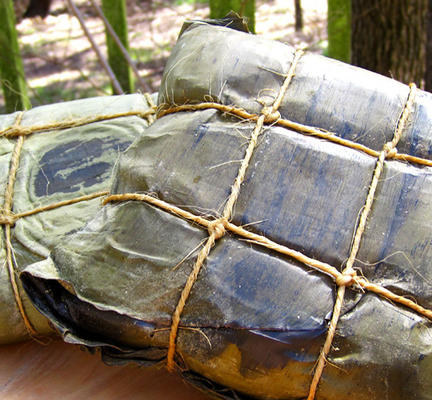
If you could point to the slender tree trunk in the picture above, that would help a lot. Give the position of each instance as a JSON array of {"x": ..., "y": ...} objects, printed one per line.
[
  {"x": 389, "y": 37},
  {"x": 38, "y": 8},
  {"x": 77, "y": 13},
  {"x": 298, "y": 16},
  {"x": 115, "y": 13},
  {"x": 11, "y": 67},
  {"x": 428, "y": 74},
  {"x": 339, "y": 29},
  {"x": 246, "y": 8}
]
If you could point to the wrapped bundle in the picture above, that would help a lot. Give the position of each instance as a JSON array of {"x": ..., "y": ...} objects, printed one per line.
[
  {"x": 56, "y": 163},
  {"x": 275, "y": 216}
]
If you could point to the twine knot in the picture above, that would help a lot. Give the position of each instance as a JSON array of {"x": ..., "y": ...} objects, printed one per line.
[
  {"x": 217, "y": 228},
  {"x": 7, "y": 218},
  {"x": 270, "y": 116},
  {"x": 347, "y": 278},
  {"x": 151, "y": 111},
  {"x": 389, "y": 150}
]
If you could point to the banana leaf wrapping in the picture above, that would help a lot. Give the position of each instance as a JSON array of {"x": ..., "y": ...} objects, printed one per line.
[
  {"x": 68, "y": 151},
  {"x": 255, "y": 320}
]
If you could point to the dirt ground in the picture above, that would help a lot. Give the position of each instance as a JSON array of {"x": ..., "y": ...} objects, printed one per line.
[{"x": 60, "y": 64}]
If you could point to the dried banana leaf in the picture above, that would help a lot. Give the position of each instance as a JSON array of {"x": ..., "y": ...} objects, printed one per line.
[
  {"x": 255, "y": 320},
  {"x": 58, "y": 162}
]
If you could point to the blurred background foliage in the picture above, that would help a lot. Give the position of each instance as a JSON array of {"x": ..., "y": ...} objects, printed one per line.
[{"x": 58, "y": 50}]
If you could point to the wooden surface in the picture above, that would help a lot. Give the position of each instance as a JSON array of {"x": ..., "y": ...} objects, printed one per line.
[{"x": 60, "y": 371}]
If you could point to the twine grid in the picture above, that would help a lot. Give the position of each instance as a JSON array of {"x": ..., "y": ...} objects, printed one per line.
[
  {"x": 217, "y": 228},
  {"x": 8, "y": 218}
]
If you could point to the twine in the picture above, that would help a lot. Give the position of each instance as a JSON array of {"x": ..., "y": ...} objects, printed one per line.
[
  {"x": 18, "y": 130},
  {"x": 7, "y": 210},
  {"x": 8, "y": 218},
  {"x": 300, "y": 128},
  {"x": 263, "y": 241},
  {"x": 349, "y": 273},
  {"x": 348, "y": 276},
  {"x": 151, "y": 117},
  {"x": 217, "y": 229}
]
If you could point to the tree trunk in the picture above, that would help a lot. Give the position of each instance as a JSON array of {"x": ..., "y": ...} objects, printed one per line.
[
  {"x": 339, "y": 29},
  {"x": 38, "y": 8},
  {"x": 11, "y": 68},
  {"x": 298, "y": 16},
  {"x": 389, "y": 37},
  {"x": 115, "y": 13},
  {"x": 245, "y": 8}
]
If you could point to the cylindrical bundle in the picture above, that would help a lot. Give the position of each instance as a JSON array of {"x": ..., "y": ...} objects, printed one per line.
[
  {"x": 62, "y": 153},
  {"x": 272, "y": 156}
]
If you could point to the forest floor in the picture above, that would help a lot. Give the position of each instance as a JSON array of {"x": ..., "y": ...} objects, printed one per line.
[{"x": 60, "y": 64}]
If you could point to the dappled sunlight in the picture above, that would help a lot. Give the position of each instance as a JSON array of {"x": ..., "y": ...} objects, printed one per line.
[
  {"x": 53, "y": 78},
  {"x": 275, "y": 20},
  {"x": 56, "y": 52}
]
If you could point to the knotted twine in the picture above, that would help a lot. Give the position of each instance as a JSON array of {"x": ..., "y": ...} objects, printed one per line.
[
  {"x": 217, "y": 228},
  {"x": 8, "y": 218},
  {"x": 301, "y": 128},
  {"x": 269, "y": 244},
  {"x": 348, "y": 277}
]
